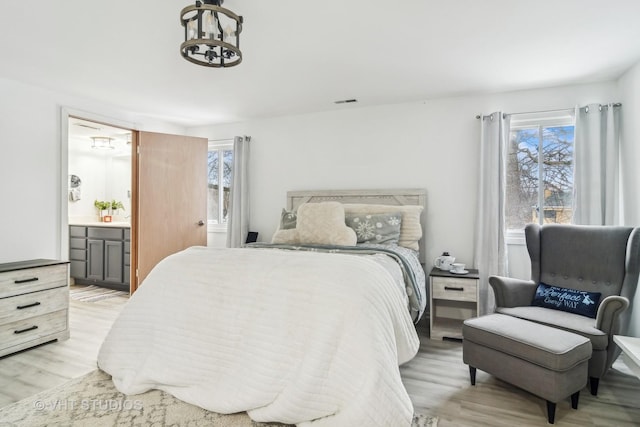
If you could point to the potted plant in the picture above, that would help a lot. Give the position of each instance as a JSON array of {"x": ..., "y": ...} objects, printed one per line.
[
  {"x": 103, "y": 207},
  {"x": 115, "y": 206}
]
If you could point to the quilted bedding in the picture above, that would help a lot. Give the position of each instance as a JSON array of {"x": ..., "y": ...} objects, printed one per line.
[{"x": 306, "y": 338}]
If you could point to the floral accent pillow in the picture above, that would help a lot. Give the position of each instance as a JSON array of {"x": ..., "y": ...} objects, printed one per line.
[{"x": 376, "y": 228}]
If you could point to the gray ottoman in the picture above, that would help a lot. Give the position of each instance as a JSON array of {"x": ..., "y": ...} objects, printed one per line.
[{"x": 548, "y": 362}]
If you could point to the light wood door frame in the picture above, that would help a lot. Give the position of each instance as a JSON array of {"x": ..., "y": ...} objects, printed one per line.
[{"x": 133, "y": 239}]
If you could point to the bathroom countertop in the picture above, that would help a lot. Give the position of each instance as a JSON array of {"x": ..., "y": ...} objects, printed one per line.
[{"x": 120, "y": 224}]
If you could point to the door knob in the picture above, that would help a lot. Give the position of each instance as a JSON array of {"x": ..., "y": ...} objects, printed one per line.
[{"x": 201, "y": 223}]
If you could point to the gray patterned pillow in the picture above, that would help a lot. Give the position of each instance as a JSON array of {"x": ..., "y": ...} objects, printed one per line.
[
  {"x": 288, "y": 219},
  {"x": 376, "y": 228}
]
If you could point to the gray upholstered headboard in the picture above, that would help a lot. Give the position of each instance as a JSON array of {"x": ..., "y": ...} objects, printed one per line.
[{"x": 395, "y": 197}]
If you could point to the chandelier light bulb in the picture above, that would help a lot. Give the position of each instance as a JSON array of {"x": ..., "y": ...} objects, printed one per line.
[
  {"x": 192, "y": 29},
  {"x": 229, "y": 34},
  {"x": 211, "y": 24}
]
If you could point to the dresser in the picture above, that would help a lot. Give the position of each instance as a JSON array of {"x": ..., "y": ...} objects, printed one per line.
[
  {"x": 34, "y": 303},
  {"x": 453, "y": 299}
]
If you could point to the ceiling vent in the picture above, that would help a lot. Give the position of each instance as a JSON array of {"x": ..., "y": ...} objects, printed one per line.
[
  {"x": 86, "y": 126},
  {"x": 346, "y": 101}
]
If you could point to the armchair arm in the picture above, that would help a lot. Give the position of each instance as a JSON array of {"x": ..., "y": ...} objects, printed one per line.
[
  {"x": 511, "y": 292},
  {"x": 608, "y": 313}
]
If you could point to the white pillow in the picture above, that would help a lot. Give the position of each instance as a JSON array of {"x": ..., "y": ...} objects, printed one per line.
[
  {"x": 287, "y": 237},
  {"x": 410, "y": 228},
  {"x": 324, "y": 224}
]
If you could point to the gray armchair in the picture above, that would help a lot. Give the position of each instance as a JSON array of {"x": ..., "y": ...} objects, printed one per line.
[{"x": 603, "y": 259}]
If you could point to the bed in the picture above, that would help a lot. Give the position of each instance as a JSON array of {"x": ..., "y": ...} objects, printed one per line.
[{"x": 300, "y": 331}]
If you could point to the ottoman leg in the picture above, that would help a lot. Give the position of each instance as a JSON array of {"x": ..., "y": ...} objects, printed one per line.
[
  {"x": 574, "y": 399},
  {"x": 551, "y": 412},
  {"x": 472, "y": 374}
]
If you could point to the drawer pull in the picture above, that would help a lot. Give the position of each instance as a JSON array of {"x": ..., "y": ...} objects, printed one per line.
[
  {"x": 22, "y": 307},
  {"x": 449, "y": 288},
  {"x": 33, "y": 328},
  {"x": 33, "y": 279}
]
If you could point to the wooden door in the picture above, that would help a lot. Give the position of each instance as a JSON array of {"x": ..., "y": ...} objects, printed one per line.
[{"x": 171, "y": 198}]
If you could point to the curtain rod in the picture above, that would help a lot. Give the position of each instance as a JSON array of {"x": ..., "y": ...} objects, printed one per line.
[
  {"x": 247, "y": 137},
  {"x": 614, "y": 104}
]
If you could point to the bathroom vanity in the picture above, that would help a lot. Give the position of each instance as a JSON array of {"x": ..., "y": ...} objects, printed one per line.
[{"x": 100, "y": 255}]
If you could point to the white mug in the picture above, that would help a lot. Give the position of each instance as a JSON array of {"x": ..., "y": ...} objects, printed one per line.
[{"x": 458, "y": 267}]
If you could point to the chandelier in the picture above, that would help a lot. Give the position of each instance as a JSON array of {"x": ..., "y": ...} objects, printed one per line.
[{"x": 211, "y": 34}]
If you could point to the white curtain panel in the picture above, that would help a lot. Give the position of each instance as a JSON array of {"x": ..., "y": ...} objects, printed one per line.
[
  {"x": 490, "y": 245},
  {"x": 597, "y": 166},
  {"x": 238, "y": 217}
]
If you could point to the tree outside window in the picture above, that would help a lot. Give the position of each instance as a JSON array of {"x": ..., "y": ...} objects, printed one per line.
[
  {"x": 219, "y": 168},
  {"x": 539, "y": 173}
]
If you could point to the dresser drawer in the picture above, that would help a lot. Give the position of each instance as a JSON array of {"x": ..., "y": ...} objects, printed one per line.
[
  {"x": 454, "y": 289},
  {"x": 32, "y": 279},
  {"x": 32, "y": 329},
  {"x": 33, "y": 304}
]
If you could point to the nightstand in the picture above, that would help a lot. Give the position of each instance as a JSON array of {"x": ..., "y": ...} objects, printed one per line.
[{"x": 453, "y": 298}]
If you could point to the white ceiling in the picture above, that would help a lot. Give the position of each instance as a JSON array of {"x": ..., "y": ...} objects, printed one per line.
[{"x": 301, "y": 56}]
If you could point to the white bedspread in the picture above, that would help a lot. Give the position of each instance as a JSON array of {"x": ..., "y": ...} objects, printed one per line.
[{"x": 295, "y": 337}]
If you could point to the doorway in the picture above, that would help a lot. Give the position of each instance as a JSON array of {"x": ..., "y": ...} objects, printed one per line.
[
  {"x": 162, "y": 168},
  {"x": 99, "y": 203}
]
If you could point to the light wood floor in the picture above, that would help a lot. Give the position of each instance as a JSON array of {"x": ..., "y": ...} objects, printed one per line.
[{"x": 436, "y": 379}]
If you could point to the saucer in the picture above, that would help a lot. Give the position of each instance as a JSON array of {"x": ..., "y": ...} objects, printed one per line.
[{"x": 459, "y": 272}]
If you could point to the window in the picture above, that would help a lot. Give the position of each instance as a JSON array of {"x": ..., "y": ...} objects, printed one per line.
[
  {"x": 539, "y": 177},
  {"x": 219, "y": 168}
]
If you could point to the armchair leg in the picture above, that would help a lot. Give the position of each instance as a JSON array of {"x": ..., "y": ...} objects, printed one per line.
[
  {"x": 551, "y": 412},
  {"x": 472, "y": 374},
  {"x": 593, "y": 382}
]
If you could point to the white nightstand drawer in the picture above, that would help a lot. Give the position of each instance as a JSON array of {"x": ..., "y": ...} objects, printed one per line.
[
  {"x": 33, "y": 304},
  {"x": 18, "y": 282},
  {"x": 455, "y": 289}
]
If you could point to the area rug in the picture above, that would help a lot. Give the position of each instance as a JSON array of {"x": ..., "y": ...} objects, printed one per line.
[
  {"x": 91, "y": 293},
  {"x": 92, "y": 400}
]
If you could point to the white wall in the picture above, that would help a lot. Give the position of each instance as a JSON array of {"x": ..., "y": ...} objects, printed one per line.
[
  {"x": 30, "y": 175},
  {"x": 431, "y": 145},
  {"x": 629, "y": 87},
  {"x": 92, "y": 170}
]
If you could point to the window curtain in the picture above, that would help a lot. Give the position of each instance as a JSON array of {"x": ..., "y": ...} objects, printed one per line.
[
  {"x": 238, "y": 216},
  {"x": 490, "y": 247},
  {"x": 597, "y": 165}
]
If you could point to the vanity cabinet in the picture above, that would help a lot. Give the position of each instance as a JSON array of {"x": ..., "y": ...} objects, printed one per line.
[
  {"x": 34, "y": 304},
  {"x": 100, "y": 256}
]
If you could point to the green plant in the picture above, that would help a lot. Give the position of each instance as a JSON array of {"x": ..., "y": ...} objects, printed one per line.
[
  {"x": 116, "y": 205},
  {"x": 101, "y": 205}
]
